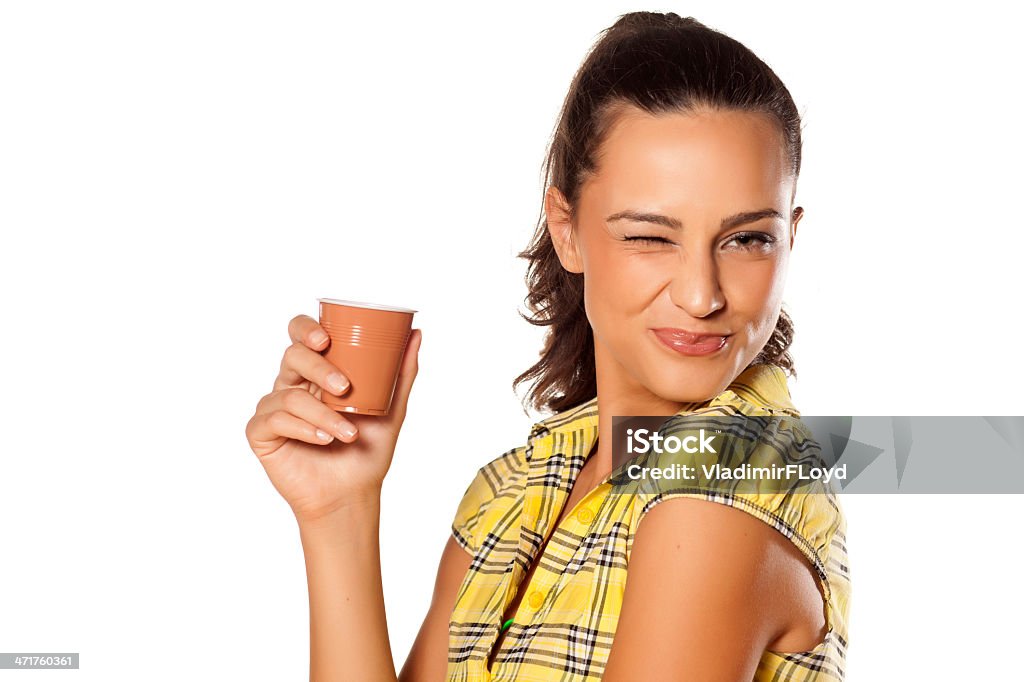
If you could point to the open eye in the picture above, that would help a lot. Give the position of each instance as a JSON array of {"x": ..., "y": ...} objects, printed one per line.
[{"x": 752, "y": 241}]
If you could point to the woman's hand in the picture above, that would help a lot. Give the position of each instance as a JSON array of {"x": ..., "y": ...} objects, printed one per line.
[{"x": 318, "y": 459}]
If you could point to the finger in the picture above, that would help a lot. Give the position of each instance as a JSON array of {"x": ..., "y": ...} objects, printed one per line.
[
  {"x": 300, "y": 363},
  {"x": 280, "y": 424},
  {"x": 406, "y": 377},
  {"x": 305, "y": 406},
  {"x": 304, "y": 329}
]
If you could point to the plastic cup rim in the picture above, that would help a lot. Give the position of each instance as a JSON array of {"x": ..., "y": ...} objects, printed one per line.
[{"x": 362, "y": 304}]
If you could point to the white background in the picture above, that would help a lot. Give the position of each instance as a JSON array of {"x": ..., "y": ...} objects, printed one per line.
[{"x": 179, "y": 179}]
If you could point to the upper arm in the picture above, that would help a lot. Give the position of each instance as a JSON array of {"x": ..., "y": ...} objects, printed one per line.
[
  {"x": 709, "y": 588},
  {"x": 428, "y": 658}
]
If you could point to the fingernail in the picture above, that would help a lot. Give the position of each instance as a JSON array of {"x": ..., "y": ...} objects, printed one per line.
[
  {"x": 324, "y": 436},
  {"x": 337, "y": 382},
  {"x": 345, "y": 430},
  {"x": 319, "y": 336}
]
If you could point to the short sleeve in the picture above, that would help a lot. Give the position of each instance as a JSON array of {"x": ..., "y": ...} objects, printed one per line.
[
  {"x": 807, "y": 512},
  {"x": 493, "y": 487}
]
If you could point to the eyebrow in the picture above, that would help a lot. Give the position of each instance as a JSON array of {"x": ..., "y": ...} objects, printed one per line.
[{"x": 668, "y": 221}]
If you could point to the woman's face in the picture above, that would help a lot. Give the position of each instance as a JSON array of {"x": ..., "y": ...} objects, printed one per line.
[{"x": 685, "y": 226}]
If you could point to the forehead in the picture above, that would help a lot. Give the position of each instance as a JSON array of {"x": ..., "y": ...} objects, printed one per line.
[{"x": 709, "y": 158}]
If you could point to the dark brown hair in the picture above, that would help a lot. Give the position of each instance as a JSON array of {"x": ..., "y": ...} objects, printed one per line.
[{"x": 658, "y": 63}]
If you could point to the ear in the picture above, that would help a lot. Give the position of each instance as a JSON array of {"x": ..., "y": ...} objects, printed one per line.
[
  {"x": 559, "y": 220},
  {"x": 798, "y": 213}
]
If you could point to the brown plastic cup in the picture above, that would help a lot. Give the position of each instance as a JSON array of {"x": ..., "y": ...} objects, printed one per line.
[{"x": 367, "y": 344}]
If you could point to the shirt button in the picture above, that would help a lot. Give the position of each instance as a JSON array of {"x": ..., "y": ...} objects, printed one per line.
[
  {"x": 585, "y": 516},
  {"x": 536, "y": 599}
]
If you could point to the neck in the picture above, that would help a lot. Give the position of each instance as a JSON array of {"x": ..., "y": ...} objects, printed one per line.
[{"x": 619, "y": 395}]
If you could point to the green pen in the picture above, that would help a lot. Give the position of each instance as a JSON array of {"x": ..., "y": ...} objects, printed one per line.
[{"x": 507, "y": 623}]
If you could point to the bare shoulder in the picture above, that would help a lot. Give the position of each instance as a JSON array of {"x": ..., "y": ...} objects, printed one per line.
[
  {"x": 724, "y": 583},
  {"x": 746, "y": 550}
]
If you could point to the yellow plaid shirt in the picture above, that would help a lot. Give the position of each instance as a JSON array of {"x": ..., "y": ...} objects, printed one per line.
[{"x": 565, "y": 623}]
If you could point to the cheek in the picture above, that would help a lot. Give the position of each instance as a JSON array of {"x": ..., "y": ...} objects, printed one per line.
[
  {"x": 603, "y": 298},
  {"x": 754, "y": 290},
  {"x": 620, "y": 285}
]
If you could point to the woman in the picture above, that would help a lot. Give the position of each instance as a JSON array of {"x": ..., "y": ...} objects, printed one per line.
[{"x": 659, "y": 269}]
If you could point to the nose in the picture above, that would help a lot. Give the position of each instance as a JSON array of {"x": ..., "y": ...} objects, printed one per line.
[{"x": 695, "y": 287}]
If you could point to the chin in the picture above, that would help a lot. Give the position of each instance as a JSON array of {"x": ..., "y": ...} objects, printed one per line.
[{"x": 693, "y": 386}]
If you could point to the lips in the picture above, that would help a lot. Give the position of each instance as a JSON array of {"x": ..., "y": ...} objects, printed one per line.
[
  {"x": 690, "y": 342},
  {"x": 688, "y": 337}
]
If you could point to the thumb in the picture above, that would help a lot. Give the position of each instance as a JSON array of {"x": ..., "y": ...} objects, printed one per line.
[{"x": 406, "y": 377}]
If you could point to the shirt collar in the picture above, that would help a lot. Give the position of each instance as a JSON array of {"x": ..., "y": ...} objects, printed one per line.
[{"x": 763, "y": 386}]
